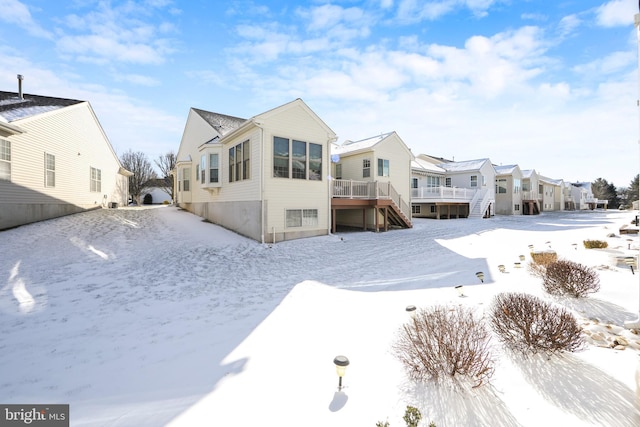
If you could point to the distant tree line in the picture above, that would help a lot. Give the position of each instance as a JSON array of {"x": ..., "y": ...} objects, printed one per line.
[{"x": 618, "y": 197}]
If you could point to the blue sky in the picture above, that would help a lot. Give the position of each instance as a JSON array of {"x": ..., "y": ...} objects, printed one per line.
[{"x": 550, "y": 86}]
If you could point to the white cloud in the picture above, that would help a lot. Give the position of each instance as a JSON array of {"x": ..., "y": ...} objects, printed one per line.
[
  {"x": 120, "y": 33},
  {"x": 413, "y": 10},
  {"x": 568, "y": 24},
  {"x": 16, "y": 12},
  {"x": 612, "y": 63},
  {"x": 616, "y": 13}
]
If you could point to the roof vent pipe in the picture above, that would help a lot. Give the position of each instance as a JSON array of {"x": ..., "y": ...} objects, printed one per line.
[{"x": 20, "y": 77}]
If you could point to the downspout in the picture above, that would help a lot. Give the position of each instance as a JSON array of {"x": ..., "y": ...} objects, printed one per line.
[
  {"x": 261, "y": 181},
  {"x": 330, "y": 141}
]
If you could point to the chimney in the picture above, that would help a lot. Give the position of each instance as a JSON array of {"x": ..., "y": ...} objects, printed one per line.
[{"x": 20, "y": 77}]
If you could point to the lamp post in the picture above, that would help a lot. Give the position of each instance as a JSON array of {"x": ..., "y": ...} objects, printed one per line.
[
  {"x": 459, "y": 289},
  {"x": 341, "y": 363},
  {"x": 480, "y": 276},
  {"x": 411, "y": 309},
  {"x": 521, "y": 257},
  {"x": 636, "y": 22},
  {"x": 501, "y": 267},
  {"x": 630, "y": 261}
]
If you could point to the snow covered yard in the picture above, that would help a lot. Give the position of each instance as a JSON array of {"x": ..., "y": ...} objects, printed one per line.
[{"x": 148, "y": 317}]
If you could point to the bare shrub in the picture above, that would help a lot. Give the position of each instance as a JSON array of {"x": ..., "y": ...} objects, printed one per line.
[
  {"x": 539, "y": 262},
  {"x": 525, "y": 323},
  {"x": 440, "y": 343},
  {"x": 568, "y": 278}
]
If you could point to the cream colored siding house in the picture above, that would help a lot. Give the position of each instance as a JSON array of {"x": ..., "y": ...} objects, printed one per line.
[
  {"x": 552, "y": 194},
  {"x": 371, "y": 183},
  {"x": 508, "y": 190},
  {"x": 465, "y": 189},
  {"x": 264, "y": 177},
  {"x": 532, "y": 191},
  {"x": 55, "y": 159}
]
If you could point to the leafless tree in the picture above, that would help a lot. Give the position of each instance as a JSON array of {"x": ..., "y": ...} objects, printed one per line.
[
  {"x": 137, "y": 163},
  {"x": 568, "y": 278},
  {"x": 167, "y": 163}
]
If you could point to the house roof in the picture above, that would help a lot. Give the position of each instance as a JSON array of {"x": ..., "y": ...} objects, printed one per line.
[
  {"x": 505, "y": 170},
  {"x": 469, "y": 165},
  {"x": 423, "y": 165},
  {"x": 13, "y": 108},
  {"x": 222, "y": 123},
  {"x": 551, "y": 180},
  {"x": 528, "y": 173},
  {"x": 363, "y": 144}
]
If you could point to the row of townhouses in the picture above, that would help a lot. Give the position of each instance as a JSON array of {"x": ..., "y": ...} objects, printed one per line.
[{"x": 276, "y": 176}]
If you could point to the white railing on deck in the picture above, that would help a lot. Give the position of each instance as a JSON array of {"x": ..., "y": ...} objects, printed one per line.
[
  {"x": 348, "y": 189},
  {"x": 443, "y": 193}
]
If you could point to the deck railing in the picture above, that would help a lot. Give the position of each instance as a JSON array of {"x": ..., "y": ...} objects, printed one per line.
[
  {"x": 349, "y": 189},
  {"x": 443, "y": 193}
]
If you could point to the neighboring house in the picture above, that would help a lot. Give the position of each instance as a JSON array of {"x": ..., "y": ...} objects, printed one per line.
[
  {"x": 264, "y": 177},
  {"x": 443, "y": 190},
  {"x": 532, "y": 192},
  {"x": 553, "y": 196},
  {"x": 583, "y": 197},
  {"x": 156, "y": 192},
  {"x": 371, "y": 183},
  {"x": 508, "y": 190},
  {"x": 55, "y": 160}
]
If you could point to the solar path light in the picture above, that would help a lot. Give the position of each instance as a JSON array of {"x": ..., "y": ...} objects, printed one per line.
[{"x": 341, "y": 363}]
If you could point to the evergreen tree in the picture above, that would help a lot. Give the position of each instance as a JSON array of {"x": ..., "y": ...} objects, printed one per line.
[
  {"x": 604, "y": 191},
  {"x": 632, "y": 191}
]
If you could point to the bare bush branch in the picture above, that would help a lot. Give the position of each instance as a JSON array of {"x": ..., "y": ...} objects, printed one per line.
[
  {"x": 441, "y": 342},
  {"x": 525, "y": 323},
  {"x": 568, "y": 278}
]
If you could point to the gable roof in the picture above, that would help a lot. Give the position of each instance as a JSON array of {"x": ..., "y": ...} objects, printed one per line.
[
  {"x": 222, "y": 123},
  {"x": 469, "y": 165},
  {"x": 506, "y": 169},
  {"x": 420, "y": 165},
  {"x": 528, "y": 173},
  {"x": 13, "y": 108},
  {"x": 363, "y": 144}
]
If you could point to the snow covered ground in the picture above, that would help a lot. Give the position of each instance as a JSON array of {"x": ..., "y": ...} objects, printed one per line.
[{"x": 150, "y": 317}]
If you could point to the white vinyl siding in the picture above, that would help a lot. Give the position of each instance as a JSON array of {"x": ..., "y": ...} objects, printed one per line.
[{"x": 77, "y": 142}]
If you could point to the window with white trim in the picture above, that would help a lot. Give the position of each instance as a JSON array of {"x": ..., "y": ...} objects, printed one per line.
[
  {"x": 383, "y": 167},
  {"x": 301, "y": 218},
  {"x": 203, "y": 169},
  {"x": 186, "y": 179},
  {"x": 239, "y": 161},
  {"x": 415, "y": 209},
  {"x": 447, "y": 182},
  {"x": 49, "y": 170},
  {"x": 297, "y": 159},
  {"x": 96, "y": 180},
  {"x": 501, "y": 186},
  {"x": 5, "y": 160},
  {"x": 414, "y": 182},
  {"x": 474, "y": 181},
  {"x": 338, "y": 170},
  {"x": 366, "y": 168},
  {"x": 213, "y": 168}
]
